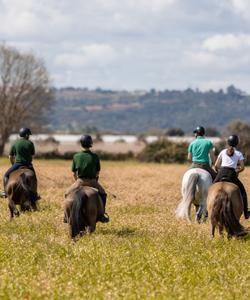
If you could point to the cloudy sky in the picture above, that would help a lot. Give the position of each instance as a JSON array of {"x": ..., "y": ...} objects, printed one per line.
[{"x": 134, "y": 44}]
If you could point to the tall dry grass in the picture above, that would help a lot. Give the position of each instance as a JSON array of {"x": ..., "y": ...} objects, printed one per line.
[{"x": 143, "y": 253}]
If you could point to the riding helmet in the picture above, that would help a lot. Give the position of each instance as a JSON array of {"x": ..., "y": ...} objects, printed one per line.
[
  {"x": 24, "y": 132},
  {"x": 233, "y": 140},
  {"x": 199, "y": 130},
  {"x": 86, "y": 141}
]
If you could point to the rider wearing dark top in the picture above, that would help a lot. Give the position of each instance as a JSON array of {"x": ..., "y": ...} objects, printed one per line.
[
  {"x": 20, "y": 155},
  {"x": 230, "y": 163},
  {"x": 200, "y": 150},
  {"x": 86, "y": 167}
]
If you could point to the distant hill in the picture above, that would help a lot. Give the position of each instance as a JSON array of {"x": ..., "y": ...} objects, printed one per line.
[{"x": 123, "y": 111}]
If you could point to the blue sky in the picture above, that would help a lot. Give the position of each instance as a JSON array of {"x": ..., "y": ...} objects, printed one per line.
[{"x": 142, "y": 44}]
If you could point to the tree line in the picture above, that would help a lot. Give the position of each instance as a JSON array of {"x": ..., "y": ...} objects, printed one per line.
[{"x": 27, "y": 99}]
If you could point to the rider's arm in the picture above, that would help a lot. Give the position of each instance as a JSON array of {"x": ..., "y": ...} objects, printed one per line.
[
  {"x": 74, "y": 169},
  {"x": 12, "y": 159},
  {"x": 241, "y": 167},
  {"x": 217, "y": 163},
  {"x": 12, "y": 154},
  {"x": 212, "y": 156},
  {"x": 189, "y": 156}
]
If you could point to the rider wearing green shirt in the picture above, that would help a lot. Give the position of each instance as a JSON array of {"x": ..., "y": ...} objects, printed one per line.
[
  {"x": 20, "y": 155},
  {"x": 200, "y": 151},
  {"x": 86, "y": 164},
  {"x": 86, "y": 167}
]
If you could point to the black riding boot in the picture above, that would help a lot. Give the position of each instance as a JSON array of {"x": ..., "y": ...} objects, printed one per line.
[
  {"x": 5, "y": 182},
  {"x": 104, "y": 218},
  {"x": 244, "y": 198},
  {"x": 245, "y": 208}
]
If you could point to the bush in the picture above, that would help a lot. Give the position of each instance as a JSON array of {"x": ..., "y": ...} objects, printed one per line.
[
  {"x": 115, "y": 156},
  {"x": 69, "y": 155},
  {"x": 175, "y": 132},
  {"x": 164, "y": 151}
]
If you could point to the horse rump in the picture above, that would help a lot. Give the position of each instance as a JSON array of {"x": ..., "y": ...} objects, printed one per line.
[
  {"x": 76, "y": 219},
  {"x": 22, "y": 190},
  {"x": 222, "y": 215},
  {"x": 82, "y": 209}
]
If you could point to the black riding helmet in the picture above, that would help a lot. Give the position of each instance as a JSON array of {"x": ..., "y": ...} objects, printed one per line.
[
  {"x": 23, "y": 132},
  {"x": 199, "y": 130},
  {"x": 86, "y": 141},
  {"x": 233, "y": 140}
]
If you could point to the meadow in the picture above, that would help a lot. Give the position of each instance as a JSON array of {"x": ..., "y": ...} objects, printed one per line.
[{"x": 143, "y": 253}]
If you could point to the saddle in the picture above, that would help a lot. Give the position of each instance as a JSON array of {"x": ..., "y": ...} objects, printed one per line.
[{"x": 225, "y": 178}]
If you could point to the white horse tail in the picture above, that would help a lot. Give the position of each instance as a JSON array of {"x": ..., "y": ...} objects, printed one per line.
[{"x": 188, "y": 195}]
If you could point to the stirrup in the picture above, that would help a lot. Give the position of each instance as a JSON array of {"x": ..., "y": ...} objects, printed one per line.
[
  {"x": 247, "y": 215},
  {"x": 104, "y": 218},
  {"x": 3, "y": 194}
]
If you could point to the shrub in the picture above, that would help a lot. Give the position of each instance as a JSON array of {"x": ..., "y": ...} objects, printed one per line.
[
  {"x": 164, "y": 151},
  {"x": 69, "y": 155}
]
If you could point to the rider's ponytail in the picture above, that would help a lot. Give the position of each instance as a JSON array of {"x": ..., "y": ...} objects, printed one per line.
[{"x": 230, "y": 151}]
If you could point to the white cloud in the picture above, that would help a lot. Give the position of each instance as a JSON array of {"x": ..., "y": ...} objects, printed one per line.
[
  {"x": 227, "y": 41},
  {"x": 242, "y": 7},
  {"x": 134, "y": 43},
  {"x": 138, "y": 6},
  {"x": 93, "y": 54}
]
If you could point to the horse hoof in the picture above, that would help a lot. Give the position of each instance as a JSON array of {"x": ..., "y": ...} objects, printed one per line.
[{"x": 198, "y": 219}]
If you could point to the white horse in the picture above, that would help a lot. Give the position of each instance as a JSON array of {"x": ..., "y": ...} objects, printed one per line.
[{"x": 195, "y": 184}]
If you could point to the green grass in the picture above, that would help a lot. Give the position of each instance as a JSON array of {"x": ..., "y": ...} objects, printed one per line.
[{"x": 143, "y": 253}]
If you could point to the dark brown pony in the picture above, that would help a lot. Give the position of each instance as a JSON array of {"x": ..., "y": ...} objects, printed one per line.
[
  {"x": 225, "y": 208},
  {"x": 22, "y": 190},
  {"x": 83, "y": 206}
]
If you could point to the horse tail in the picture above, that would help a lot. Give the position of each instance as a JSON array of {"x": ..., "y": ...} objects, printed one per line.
[
  {"x": 77, "y": 216},
  {"x": 222, "y": 214},
  {"x": 23, "y": 184},
  {"x": 183, "y": 209}
]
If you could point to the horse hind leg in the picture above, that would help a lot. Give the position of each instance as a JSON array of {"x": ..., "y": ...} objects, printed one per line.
[
  {"x": 90, "y": 229},
  {"x": 212, "y": 230},
  {"x": 13, "y": 210},
  {"x": 199, "y": 214},
  {"x": 66, "y": 217},
  {"x": 220, "y": 229},
  {"x": 33, "y": 206},
  {"x": 205, "y": 216}
]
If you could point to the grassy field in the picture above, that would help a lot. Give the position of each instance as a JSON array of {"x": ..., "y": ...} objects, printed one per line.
[{"x": 143, "y": 253}]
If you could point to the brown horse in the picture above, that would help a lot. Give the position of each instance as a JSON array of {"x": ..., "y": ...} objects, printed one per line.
[
  {"x": 83, "y": 206},
  {"x": 22, "y": 190},
  {"x": 225, "y": 208}
]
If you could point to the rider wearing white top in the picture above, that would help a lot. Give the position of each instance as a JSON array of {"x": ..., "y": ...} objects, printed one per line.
[
  {"x": 230, "y": 161},
  {"x": 227, "y": 164}
]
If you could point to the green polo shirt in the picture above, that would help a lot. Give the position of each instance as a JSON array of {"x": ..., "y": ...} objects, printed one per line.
[
  {"x": 86, "y": 164},
  {"x": 22, "y": 150},
  {"x": 199, "y": 149}
]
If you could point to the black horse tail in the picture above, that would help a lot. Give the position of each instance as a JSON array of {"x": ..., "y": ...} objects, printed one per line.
[
  {"x": 25, "y": 184},
  {"x": 223, "y": 215},
  {"x": 77, "y": 214}
]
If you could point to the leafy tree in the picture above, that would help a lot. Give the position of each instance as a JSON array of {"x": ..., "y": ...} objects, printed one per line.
[
  {"x": 210, "y": 131},
  {"x": 175, "y": 132},
  {"x": 25, "y": 93},
  {"x": 234, "y": 92}
]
